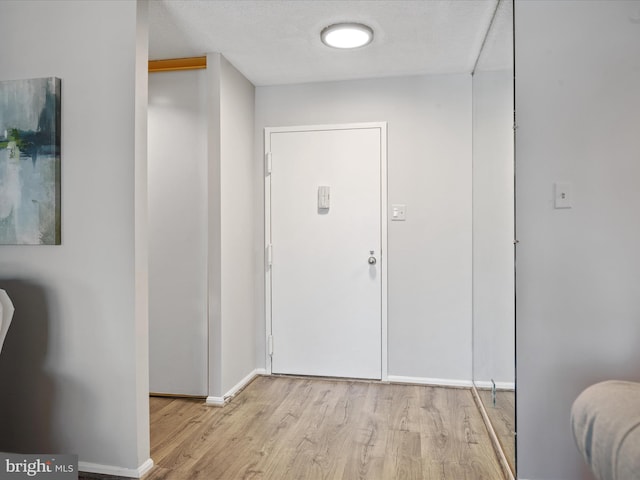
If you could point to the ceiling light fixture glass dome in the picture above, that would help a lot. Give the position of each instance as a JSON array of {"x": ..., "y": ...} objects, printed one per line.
[{"x": 347, "y": 35}]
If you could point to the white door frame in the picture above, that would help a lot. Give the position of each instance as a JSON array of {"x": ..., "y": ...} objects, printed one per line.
[{"x": 383, "y": 229}]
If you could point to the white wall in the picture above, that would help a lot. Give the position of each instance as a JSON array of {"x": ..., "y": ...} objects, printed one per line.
[
  {"x": 578, "y": 270},
  {"x": 231, "y": 227},
  {"x": 178, "y": 232},
  {"x": 429, "y": 170},
  {"x": 493, "y": 229},
  {"x": 74, "y": 367}
]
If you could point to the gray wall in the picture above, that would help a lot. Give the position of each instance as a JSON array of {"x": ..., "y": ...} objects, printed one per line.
[
  {"x": 74, "y": 367},
  {"x": 429, "y": 170},
  {"x": 578, "y": 270}
]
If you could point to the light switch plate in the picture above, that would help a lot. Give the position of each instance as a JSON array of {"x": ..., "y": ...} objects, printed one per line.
[
  {"x": 563, "y": 195},
  {"x": 398, "y": 213}
]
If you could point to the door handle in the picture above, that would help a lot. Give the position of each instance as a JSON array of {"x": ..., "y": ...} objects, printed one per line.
[{"x": 372, "y": 260}]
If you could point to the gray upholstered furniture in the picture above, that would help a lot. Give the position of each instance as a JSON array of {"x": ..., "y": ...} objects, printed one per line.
[
  {"x": 605, "y": 419},
  {"x": 6, "y": 314}
]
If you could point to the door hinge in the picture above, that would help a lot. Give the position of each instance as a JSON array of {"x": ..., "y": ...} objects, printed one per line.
[
  {"x": 269, "y": 255},
  {"x": 267, "y": 163},
  {"x": 270, "y": 344}
]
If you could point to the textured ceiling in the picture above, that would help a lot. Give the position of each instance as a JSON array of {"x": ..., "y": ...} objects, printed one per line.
[
  {"x": 278, "y": 41},
  {"x": 497, "y": 51}
]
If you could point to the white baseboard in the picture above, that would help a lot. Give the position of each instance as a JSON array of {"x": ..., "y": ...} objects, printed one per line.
[
  {"x": 116, "y": 471},
  {"x": 221, "y": 401},
  {"x": 145, "y": 468},
  {"x": 486, "y": 384},
  {"x": 440, "y": 382},
  {"x": 215, "y": 401}
]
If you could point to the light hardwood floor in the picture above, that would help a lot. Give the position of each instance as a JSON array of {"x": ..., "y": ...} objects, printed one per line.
[
  {"x": 285, "y": 428},
  {"x": 503, "y": 419}
]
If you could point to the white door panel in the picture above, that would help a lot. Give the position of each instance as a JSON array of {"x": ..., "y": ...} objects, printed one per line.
[
  {"x": 325, "y": 296},
  {"x": 177, "y": 233}
]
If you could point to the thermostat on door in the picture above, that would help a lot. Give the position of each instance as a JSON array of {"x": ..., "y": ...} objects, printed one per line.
[{"x": 324, "y": 195}]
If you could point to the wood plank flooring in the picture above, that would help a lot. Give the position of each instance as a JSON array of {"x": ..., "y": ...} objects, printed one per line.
[
  {"x": 285, "y": 428},
  {"x": 503, "y": 419}
]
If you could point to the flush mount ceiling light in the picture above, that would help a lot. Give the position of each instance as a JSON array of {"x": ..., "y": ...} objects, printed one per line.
[{"x": 347, "y": 35}]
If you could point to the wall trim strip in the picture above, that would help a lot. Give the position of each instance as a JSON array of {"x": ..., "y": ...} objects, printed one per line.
[
  {"x": 237, "y": 388},
  {"x": 173, "y": 64},
  {"x": 440, "y": 382}
]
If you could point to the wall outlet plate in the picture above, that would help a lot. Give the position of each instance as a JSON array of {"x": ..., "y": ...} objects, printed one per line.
[{"x": 563, "y": 195}]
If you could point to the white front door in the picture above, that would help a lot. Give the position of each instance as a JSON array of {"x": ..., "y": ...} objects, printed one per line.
[{"x": 324, "y": 220}]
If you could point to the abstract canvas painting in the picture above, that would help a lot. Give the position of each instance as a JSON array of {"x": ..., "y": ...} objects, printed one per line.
[{"x": 30, "y": 162}]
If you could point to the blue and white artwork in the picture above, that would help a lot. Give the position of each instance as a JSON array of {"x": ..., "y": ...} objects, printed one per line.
[{"x": 30, "y": 162}]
